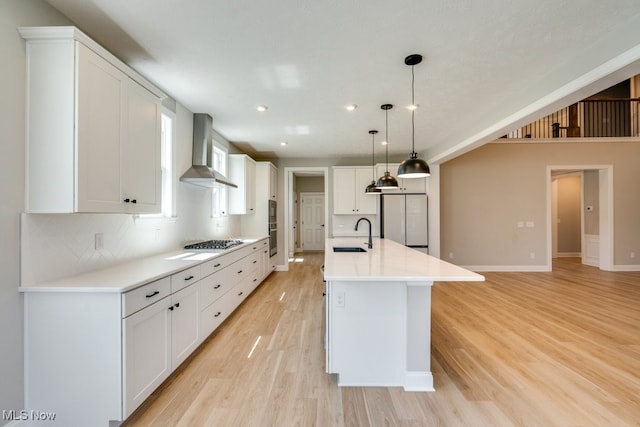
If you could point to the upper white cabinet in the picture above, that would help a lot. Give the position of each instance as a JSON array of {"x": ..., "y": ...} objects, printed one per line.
[
  {"x": 273, "y": 182},
  {"x": 405, "y": 185},
  {"x": 264, "y": 185},
  {"x": 242, "y": 172},
  {"x": 349, "y": 196},
  {"x": 93, "y": 128}
]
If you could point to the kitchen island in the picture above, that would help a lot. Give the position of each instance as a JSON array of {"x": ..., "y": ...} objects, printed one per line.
[{"x": 378, "y": 312}]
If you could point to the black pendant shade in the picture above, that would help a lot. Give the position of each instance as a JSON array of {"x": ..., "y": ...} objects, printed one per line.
[
  {"x": 387, "y": 181},
  {"x": 371, "y": 188},
  {"x": 413, "y": 167}
]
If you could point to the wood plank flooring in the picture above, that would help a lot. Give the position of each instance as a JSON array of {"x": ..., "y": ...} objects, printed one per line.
[{"x": 521, "y": 349}]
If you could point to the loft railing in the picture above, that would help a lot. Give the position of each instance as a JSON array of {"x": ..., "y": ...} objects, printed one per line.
[{"x": 593, "y": 118}]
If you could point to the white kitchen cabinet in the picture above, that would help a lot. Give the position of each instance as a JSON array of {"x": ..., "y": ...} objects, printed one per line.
[
  {"x": 185, "y": 320},
  {"x": 94, "y": 353},
  {"x": 147, "y": 352},
  {"x": 273, "y": 182},
  {"x": 263, "y": 254},
  {"x": 349, "y": 197},
  {"x": 93, "y": 128},
  {"x": 405, "y": 185},
  {"x": 142, "y": 174},
  {"x": 242, "y": 172}
]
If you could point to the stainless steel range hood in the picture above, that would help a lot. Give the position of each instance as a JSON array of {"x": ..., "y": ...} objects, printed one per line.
[{"x": 201, "y": 173}]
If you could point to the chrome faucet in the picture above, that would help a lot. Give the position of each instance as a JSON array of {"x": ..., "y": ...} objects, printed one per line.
[{"x": 370, "y": 244}]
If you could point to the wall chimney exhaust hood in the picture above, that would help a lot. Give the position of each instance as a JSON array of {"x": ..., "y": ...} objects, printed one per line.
[{"x": 201, "y": 172}]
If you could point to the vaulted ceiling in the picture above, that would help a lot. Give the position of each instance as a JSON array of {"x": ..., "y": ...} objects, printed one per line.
[{"x": 489, "y": 66}]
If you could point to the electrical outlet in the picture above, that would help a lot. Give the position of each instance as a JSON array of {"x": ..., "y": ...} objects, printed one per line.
[
  {"x": 532, "y": 255},
  {"x": 632, "y": 255},
  {"x": 450, "y": 255}
]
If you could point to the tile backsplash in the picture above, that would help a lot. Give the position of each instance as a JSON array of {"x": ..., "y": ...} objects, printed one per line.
[{"x": 59, "y": 245}]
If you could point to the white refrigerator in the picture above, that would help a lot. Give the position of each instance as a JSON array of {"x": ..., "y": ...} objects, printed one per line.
[{"x": 404, "y": 220}]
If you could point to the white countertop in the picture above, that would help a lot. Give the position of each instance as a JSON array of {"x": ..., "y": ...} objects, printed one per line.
[
  {"x": 127, "y": 276},
  {"x": 388, "y": 261}
]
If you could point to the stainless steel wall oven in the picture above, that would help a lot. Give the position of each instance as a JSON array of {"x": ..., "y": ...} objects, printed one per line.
[{"x": 273, "y": 228}]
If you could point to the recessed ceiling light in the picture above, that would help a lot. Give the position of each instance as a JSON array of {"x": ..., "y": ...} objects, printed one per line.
[
  {"x": 262, "y": 108},
  {"x": 384, "y": 143},
  {"x": 413, "y": 106},
  {"x": 283, "y": 143},
  {"x": 350, "y": 107}
]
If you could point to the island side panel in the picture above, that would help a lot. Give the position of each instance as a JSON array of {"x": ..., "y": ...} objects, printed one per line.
[
  {"x": 418, "y": 373},
  {"x": 367, "y": 345}
]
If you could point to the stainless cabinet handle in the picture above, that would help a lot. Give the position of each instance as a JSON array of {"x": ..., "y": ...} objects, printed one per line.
[{"x": 152, "y": 294}]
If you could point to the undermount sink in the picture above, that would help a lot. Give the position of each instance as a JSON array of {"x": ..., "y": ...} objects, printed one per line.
[{"x": 348, "y": 249}]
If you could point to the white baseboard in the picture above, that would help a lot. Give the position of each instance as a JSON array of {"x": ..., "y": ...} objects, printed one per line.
[
  {"x": 569, "y": 254},
  {"x": 418, "y": 381},
  {"x": 284, "y": 267},
  {"x": 626, "y": 267},
  {"x": 508, "y": 268}
]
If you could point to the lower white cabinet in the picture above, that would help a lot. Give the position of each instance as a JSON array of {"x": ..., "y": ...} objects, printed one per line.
[
  {"x": 147, "y": 352},
  {"x": 184, "y": 324},
  {"x": 157, "y": 339},
  {"x": 94, "y": 356}
]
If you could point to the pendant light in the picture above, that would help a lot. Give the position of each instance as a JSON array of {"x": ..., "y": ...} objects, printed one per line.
[
  {"x": 371, "y": 188},
  {"x": 387, "y": 181},
  {"x": 413, "y": 167}
]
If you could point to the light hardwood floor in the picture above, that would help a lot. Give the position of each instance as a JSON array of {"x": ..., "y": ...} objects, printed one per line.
[{"x": 523, "y": 349}]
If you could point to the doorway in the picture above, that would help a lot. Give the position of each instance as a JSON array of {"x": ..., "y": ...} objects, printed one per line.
[
  {"x": 580, "y": 214},
  {"x": 291, "y": 202}
]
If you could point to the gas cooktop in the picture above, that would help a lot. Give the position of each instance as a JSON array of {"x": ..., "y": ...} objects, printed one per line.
[{"x": 215, "y": 244}]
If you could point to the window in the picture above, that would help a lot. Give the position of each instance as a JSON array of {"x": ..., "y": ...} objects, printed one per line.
[
  {"x": 220, "y": 160},
  {"x": 220, "y": 195},
  {"x": 166, "y": 164},
  {"x": 166, "y": 161}
]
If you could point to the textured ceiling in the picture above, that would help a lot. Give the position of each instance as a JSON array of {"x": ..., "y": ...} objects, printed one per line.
[{"x": 488, "y": 66}]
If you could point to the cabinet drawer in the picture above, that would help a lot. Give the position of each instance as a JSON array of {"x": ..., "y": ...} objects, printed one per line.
[
  {"x": 213, "y": 287},
  {"x": 217, "y": 264},
  {"x": 240, "y": 269},
  {"x": 185, "y": 278},
  {"x": 212, "y": 316},
  {"x": 143, "y": 296}
]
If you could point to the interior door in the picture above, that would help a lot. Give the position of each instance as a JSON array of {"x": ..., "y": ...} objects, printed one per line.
[{"x": 312, "y": 221}]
